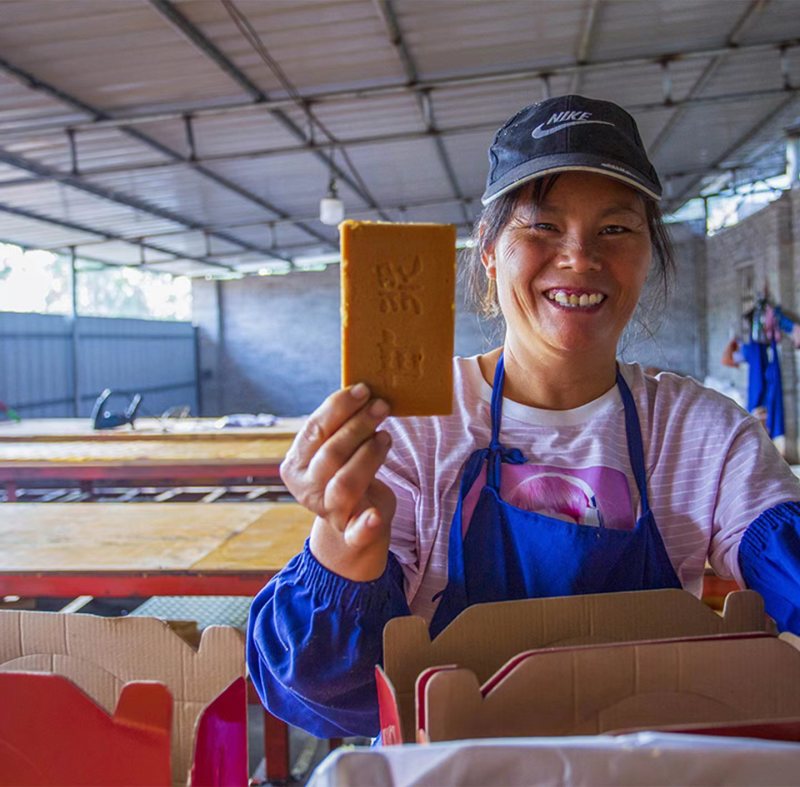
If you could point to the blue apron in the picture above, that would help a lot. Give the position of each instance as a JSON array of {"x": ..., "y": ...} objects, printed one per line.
[{"x": 509, "y": 553}]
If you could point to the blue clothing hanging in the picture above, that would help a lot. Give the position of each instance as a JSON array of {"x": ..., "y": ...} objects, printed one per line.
[{"x": 764, "y": 385}]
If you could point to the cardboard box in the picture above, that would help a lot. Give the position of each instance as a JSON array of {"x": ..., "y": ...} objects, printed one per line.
[
  {"x": 485, "y": 636},
  {"x": 598, "y": 689},
  {"x": 100, "y": 655}
]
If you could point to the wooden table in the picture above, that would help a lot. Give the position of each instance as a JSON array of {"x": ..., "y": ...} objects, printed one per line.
[
  {"x": 69, "y": 429},
  {"x": 146, "y": 549},
  {"x": 212, "y": 459}
]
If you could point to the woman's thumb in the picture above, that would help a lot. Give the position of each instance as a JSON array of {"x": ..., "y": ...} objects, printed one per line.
[{"x": 365, "y": 529}]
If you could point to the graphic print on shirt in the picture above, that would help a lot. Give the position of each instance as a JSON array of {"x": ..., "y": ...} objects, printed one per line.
[{"x": 595, "y": 496}]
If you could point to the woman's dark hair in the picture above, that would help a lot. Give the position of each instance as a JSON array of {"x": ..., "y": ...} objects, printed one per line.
[{"x": 481, "y": 290}]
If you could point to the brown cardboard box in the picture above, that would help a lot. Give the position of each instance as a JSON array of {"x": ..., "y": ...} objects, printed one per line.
[
  {"x": 596, "y": 689},
  {"x": 100, "y": 655},
  {"x": 485, "y": 636}
]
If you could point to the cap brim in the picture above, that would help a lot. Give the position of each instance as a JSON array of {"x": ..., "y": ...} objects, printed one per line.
[{"x": 520, "y": 178}]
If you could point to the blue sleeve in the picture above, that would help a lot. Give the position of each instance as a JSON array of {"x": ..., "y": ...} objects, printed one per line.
[
  {"x": 784, "y": 323},
  {"x": 313, "y": 640},
  {"x": 769, "y": 556}
]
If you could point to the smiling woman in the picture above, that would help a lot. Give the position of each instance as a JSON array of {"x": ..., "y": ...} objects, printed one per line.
[
  {"x": 569, "y": 267},
  {"x": 561, "y": 470}
]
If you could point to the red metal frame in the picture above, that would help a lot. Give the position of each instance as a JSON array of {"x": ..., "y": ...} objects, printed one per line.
[
  {"x": 715, "y": 587},
  {"x": 80, "y": 471},
  {"x": 13, "y": 475},
  {"x": 110, "y": 584}
]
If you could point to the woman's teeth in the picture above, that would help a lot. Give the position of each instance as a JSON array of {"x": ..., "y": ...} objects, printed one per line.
[{"x": 584, "y": 299}]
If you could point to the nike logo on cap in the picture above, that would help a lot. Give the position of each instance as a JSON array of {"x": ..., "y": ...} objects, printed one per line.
[{"x": 565, "y": 120}]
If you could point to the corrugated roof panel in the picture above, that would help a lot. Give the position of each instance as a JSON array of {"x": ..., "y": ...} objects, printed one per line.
[
  {"x": 745, "y": 71},
  {"x": 463, "y": 36},
  {"x": 128, "y": 57},
  {"x": 626, "y": 29},
  {"x": 712, "y": 134},
  {"x": 62, "y": 202},
  {"x": 286, "y": 235},
  {"x": 316, "y": 43},
  {"x": 469, "y": 154},
  {"x": 21, "y": 106},
  {"x": 196, "y": 244},
  {"x": 295, "y": 182},
  {"x": 356, "y": 118},
  {"x": 10, "y": 176},
  {"x": 35, "y": 234},
  {"x": 184, "y": 268},
  {"x": 444, "y": 213},
  {"x": 237, "y": 130},
  {"x": 179, "y": 188},
  {"x": 113, "y": 55},
  {"x": 101, "y": 147},
  {"x": 116, "y": 253},
  {"x": 644, "y": 84},
  {"x": 489, "y": 104},
  {"x": 251, "y": 130},
  {"x": 772, "y": 136},
  {"x": 778, "y": 19},
  {"x": 402, "y": 171}
]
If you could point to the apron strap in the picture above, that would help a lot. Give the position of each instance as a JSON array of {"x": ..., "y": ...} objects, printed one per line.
[
  {"x": 635, "y": 444},
  {"x": 497, "y": 453},
  {"x": 497, "y": 402}
]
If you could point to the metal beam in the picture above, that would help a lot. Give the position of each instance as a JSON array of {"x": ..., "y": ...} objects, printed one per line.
[
  {"x": 398, "y": 137},
  {"x": 378, "y": 91},
  {"x": 746, "y": 18},
  {"x": 198, "y": 39},
  {"x": 100, "y": 115},
  {"x": 754, "y": 130},
  {"x": 424, "y": 101}
]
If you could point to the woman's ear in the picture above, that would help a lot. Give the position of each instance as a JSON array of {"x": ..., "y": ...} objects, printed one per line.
[
  {"x": 487, "y": 256},
  {"x": 488, "y": 261}
]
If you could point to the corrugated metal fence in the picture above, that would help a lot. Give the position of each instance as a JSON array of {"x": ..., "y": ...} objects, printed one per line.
[{"x": 39, "y": 353}]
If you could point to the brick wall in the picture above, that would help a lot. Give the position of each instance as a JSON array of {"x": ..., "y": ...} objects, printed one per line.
[{"x": 669, "y": 334}]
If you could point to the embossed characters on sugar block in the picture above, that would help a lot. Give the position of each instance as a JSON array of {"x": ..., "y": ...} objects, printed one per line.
[{"x": 398, "y": 309}]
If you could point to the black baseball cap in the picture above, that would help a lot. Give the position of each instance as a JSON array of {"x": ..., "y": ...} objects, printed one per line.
[{"x": 569, "y": 133}]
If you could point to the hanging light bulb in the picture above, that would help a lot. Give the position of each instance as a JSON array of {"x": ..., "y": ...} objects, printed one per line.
[{"x": 331, "y": 208}]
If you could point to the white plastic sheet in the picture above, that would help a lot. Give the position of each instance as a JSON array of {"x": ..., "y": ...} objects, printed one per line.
[{"x": 641, "y": 759}]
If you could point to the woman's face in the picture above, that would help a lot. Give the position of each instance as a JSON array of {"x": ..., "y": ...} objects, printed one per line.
[{"x": 570, "y": 270}]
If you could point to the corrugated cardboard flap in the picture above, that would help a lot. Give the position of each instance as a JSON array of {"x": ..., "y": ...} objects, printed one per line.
[
  {"x": 590, "y": 690},
  {"x": 484, "y": 636}
]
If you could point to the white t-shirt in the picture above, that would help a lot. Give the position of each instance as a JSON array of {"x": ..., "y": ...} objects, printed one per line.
[{"x": 711, "y": 470}]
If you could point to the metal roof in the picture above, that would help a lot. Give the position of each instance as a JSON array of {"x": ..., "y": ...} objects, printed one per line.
[{"x": 198, "y": 136}]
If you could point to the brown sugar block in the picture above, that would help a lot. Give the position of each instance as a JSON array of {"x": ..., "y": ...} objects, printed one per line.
[{"x": 398, "y": 310}]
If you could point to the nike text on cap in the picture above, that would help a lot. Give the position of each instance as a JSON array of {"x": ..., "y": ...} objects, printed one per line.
[{"x": 569, "y": 133}]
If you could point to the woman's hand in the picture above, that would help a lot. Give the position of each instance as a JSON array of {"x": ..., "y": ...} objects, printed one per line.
[{"x": 330, "y": 469}]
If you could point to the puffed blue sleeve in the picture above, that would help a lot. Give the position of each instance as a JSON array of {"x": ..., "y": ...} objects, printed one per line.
[
  {"x": 769, "y": 557},
  {"x": 313, "y": 640}
]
